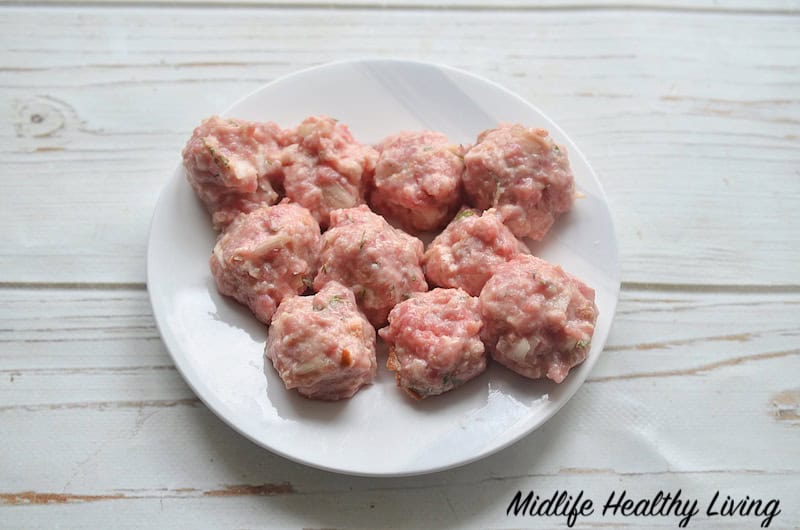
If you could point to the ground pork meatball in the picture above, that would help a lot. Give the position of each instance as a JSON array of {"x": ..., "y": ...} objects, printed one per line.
[
  {"x": 326, "y": 168},
  {"x": 523, "y": 174},
  {"x": 418, "y": 179},
  {"x": 267, "y": 255},
  {"x": 434, "y": 342},
  {"x": 467, "y": 252},
  {"x": 225, "y": 205},
  {"x": 234, "y": 166},
  {"x": 379, "y": 263},
  {"x": 322, "y": 345},
  {"x": 538, "y": 320}
]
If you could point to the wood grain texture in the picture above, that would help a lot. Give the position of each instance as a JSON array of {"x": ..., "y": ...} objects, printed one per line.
[
  {"x": 667, "y": 392},
  {"x": 47, "y": 332},
  {"x": 438, "y": 504},
  {"x": 726, "y": 6},
  {"x": 689, "y": 112},
  {"x": 691, "y": 120}
]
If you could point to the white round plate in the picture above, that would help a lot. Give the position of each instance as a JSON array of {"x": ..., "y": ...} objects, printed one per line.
[{"x": 218, "y": 345}]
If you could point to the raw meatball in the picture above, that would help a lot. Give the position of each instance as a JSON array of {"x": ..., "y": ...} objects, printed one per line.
[
  {"x": 326, "y": 168},
  {"x": 322, "y": 345},
  {"x": 379, "y": 263},
  {"x": 523, "y": 174},
  {"x": 538, "y": 320},
  {"x": 267, "y": 255},
  {"x": 233, "y": 166},
  {"x": 418, "y": 179},
  {"x": 467, "y": 252},
  {"x": 434, "y": 342}
]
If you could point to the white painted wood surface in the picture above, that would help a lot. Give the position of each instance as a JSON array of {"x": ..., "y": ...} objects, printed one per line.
[
  {"x": 747, "y": 6},
  {"x": 690, "y": 113},
  {"x": 691, "y": 120}
]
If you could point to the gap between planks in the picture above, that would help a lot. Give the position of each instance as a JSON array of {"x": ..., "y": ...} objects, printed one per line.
[{"x": 404, "y": 6}]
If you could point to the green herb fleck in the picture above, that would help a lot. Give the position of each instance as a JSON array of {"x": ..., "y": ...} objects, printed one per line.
[
  {"x": 361, "y": 294},
  {"x": 222, "y": 160},
  {"x": 464, "y": 213},
  {"x": 556, "y": 149},
  {"x": 308, "y": 283},
  {"x": 583, "y": 343},
  {"x": 335, "y": 299},
  {"x": 219, "y": 159},
  {"x": 450, "y": 381},
  {"x": 427, "y": 148},
  {"x": 363, "y": 240}
]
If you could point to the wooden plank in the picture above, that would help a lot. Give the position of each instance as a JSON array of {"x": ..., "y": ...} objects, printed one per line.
[
  {"x": 406, "y": 503},
  {"x": 672, "y": 334},
  {"x": 693, "y": 130},
  {"x": 79, "y": 331},
  {"x": 734, "y": 6},
  {"x": 647, "y": 425},
  {"x": 50, "y": 330},
  {"x": 682, "y": 373}
]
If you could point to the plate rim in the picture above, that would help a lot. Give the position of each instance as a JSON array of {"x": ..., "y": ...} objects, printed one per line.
[{"x": 215, "y": 405}]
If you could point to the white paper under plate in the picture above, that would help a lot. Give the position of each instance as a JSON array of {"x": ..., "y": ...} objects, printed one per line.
[{"x": 218, "y": 346}]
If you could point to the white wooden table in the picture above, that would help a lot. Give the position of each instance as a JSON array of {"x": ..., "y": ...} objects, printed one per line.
[{"x": 690, "y": 114}]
